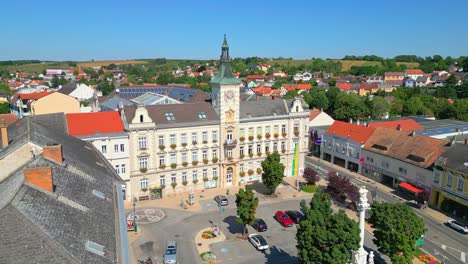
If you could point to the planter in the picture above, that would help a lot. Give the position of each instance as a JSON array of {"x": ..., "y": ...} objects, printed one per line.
[
  {"x": 195, "y": 162},
  {"x": 251, "y": 155},
  {"x": 184, "y": 145},
  {"x": 143, "y": 170},
  {"x": 259, "y": 137},
  {"x": 162, "y": 166},
  {"x": 162, "y": 186},
  {"x": 144, "y": 189},
  {"x": 184, "y": 183},
  {"x": 205, "y": 141},
  {"x": 173, "y": 165},
  {"x": 242, "y": 173},
  {"x": 267, "y": 135},
  {"x": 267, "y": 153},
  {"x": 194, "y": 142},
  {"x": 174, "y": 184},
  {"x": 215, "y": 178},
  {"x": 230, "y": 158},
  {"x": 259, "y": 171},
  {"x": 296, "y": 133},
  {"x": 283, "y": 151},
  {"x": 162, "y": 147},
  {"x": 276, "y": 135},
  {"x": 309, "y": 188},
  {"x": 184, "y": 164},
  {"x": 284, "y": 134},
  {"x": 214, "y": 160},
  {"x": 205, "y": 179},
  {"x": 259, "y": 154},
  {"x": 250, "y": 172},
  {"x": 215, "y": 141},
  {"x": 195, "y": 181},
  {"x": 173, "y": 146},
  {"x": 242, "y": 156},
  {"x": 242, "y": 139},
  {"x": 251, "y": 138},
  {"x": 205, "y": 161},
  {"x": 207, "y": 234}
]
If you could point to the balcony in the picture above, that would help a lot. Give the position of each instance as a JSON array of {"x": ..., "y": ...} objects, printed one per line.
[{"x": 230, "y": 143}]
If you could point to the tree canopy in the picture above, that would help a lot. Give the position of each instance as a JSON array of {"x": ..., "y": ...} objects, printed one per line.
[
  {"x": 273, "y": 171},
  {"x": 246, "y": 207}
]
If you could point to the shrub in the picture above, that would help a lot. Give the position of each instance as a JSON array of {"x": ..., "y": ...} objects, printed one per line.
[
  {"x": 143, "y": 170},
  {"x": 296, "y": 133},
  {"x": 250, "y": 154},
  {"x": 195, "y": 162},
  {"x": 340, "y": 187},
  {"x": 250, "y": 172},
  {"x": 309, "y": 188},
  {"x": 251, "y": 138},
  {"x": 162, "y": 166},
  {"x": 267, "y": 135},
  {"x": 184, "y": 164},
  {"x": 205, "y": 179},
  {"x": 205, "y": 141},
  {"x": 284, "y": 134},
  {"x": 194, "y": 142},
  {"x": 195, "y": 181},
  {"x": 259, "y": 170},
  {"x": 215, "y": 178},
  {"x": 205, "y": 161},
  {"x": 162, "y": 147},
  {"x": 174, "y": 184},
  {"x": 283, "y": 151},
  {"x": 214, "y": 140},
  {"x": 241, "y": 156},
  {"x": 242, "y": 139},
  {"x": 310, "y": 176},
  {"x": 242, "y": 173},
  {"x": 173, "y": 146},
  {"x": 144, "y": 189},
  {"x": 184, "y": 145},
  {"x": 184, "y": 183},
  {"x": 259, "y": 154},
  {"x": 162, "y": 186},
  {"x": 259, "y": 137},
  {"x": 230, "y": 158},
  {"x": 173, "y": 165},
  {"x": 276, "y": 135},
  {"x": 267, "y": 153},
  {"x": 214, "y": 160}
]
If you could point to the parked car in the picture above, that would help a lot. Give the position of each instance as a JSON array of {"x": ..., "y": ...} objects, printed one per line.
[
  {"x": 260, "y": 225},
  {"x": 283, "y": 218},
  {"x": 258, "y": 241},
  {"x": 458, "y": 226},
  {"x": 222, "y": 200},
  {"x": 296, "y": 216},
  {"x": 170, "y": 257}
]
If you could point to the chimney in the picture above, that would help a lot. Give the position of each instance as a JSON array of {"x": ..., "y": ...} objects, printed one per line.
[
  {"x": 4, "y": 131},
  {"x": 40, "y": 177},
  {"x": 466, "y": 141},
  {"x": 413, "y": 133},
  {"x": 350, "y": 120},
  {"x": 398, "y": 127},
  {"x": 452, "y": 141},
  {"x": 53, "y": 152}
]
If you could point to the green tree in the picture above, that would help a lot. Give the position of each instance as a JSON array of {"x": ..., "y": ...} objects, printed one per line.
[
  {"x": 332, "y": 93},
  {"x": 324, "y": 237},
  {"x": 443, "y": 109},
  {"x": 331, "y": 82},
  {"x": 349, "y": 106},
  {"x": 461, "y": 109},
  {"x": 380, "y": 107},
  {"x": 273, "y": 171},
  {"x": 246, "y": 207},
  {"x": 318, "y": 99},
  {"x": 414, "y": 106},
  {"x": 106, "y": 87},
  {"x": 451, "y": 81},
  {"x": 76, "y": 72},
  {"x": 6, "y": 88},
  {"x": 397, "y": 228},
  {"x": 5, "y": 108},
  {"x": 396, "y": 109},
  {"x": 290, "y": 94}
]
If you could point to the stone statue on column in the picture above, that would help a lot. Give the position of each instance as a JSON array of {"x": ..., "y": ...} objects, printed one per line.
[{"x": 360, "y": 255}]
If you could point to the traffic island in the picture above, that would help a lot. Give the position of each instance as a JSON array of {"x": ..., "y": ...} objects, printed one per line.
[{"x": 204, "y": 239}]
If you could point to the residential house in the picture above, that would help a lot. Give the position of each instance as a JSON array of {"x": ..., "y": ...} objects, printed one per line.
[
  {"x": 319, "y": 122},
  {"x": 278, "y": 73},
  {"x": 387, "y": 88},
  {"x": 8, "y": 119},
  {"x": 264, "y": 67},
  {"x": 422, "y": 81},
  {"x": 392, "y": 77},
  {"x": 301, "y": 87},
  {"x": 3, "y": 96},
  {"x": 252, "y": 84},
  {"x": 400, "y": 125},
  {"x": 80, "y": 91},
  {"x": 344, "y": 86},
  {"x": 342, "y": 143},
  {"x": 106, "y": 132},
  {"x": 368, "y": 88},
  {"x": 256, "y": 78},
  {"x": 375, "y": 79},
  {"x": 211, "y": 145},
  {"x": 55, "y": 103},
  {"x": 393, "y": 157},
  {"x": 409, "y": 82},
  {"x": 450, "y": 181},
  {"x": 413, "y": 73},
  {"x": 61, "y": 200},
  {"x": 20, "y": 104}
]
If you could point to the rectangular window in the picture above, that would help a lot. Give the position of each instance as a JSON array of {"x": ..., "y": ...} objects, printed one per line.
[
  {"x": 205, "y": 155},
  {"x": 241, "y": 167},
  {"x": 173, "y": 158},
  {"x": 205, "y": 173},
  {"x": 267, "y": 148},
  {"x": 259, "y": 148},
  {"x": 296, "y": 127},
  {"x": 173, "y": 178},
  {"x": 194, "y": 156},
  {"x": 436, "y": 176},
  {"x": 370, "y": 159},
  {"x": 402, "y": 170},
  {"x": 144, "y": 184},
  {"x": 229, "y": 152},
  {"x": 385, "y": 164},
  {"x": 162, "y": 160},
  {"x": 259, "y": 130},
  {"x": 161, "y": 140},
  {"x": 215, "y": 153},
  {"x": 242, "y": 132},
  {"x": 267, "y": 129},
  {"x": 205, "y": 136},
  {"x": 275, "y": 130},
  {"x": 122, "y": 148},
  {"x": 184, "y": 156},
  {"x": 283, "y": 145},
  {"x": 143, "y": 163},
  {"x": 117, "y": 169},
  {"x": 194, "y": 175},
  {"x": 183, "y": 138},
  {"x": 214, "y": 136},
  {"x": 116, "y": 148},
  {"x": 142, "y": 142},
  {"x": 215, "y": 172},
  {"x": 194, "y": 137},
  {"x": 250, "y": 150},
  {"x": 123, "y": 168},
  {"x": 103, "y": 149},
  {"x": 241, "y": 150},
  {"x": 275, "y": 146},
  {"x": 449, "y": 180},
  {"x": 460, "y": 183},
  {"x": 229, "y": 136},
  {"x": 162, "y": 180},
  {"x": 184, "y": 176},
  {"x": 250, "y": 166},
  {"x": 172, "y": 139},
  {"x": 250, "y": 131},
  {"x": 283, "y": 128}
]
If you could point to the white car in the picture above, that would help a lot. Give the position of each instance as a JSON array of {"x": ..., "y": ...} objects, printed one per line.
[
  {"x": 458, "y": 226},
  {"x": 258, "y": 241}
]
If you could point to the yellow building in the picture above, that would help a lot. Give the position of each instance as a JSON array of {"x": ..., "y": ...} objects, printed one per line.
[
  {"x": 450, "y": 182},
  {"x": 55, "y": 103}
]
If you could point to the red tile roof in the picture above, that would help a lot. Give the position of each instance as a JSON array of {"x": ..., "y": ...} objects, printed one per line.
[
  {"x": 344, "y": 86},
  {"x": 368, "y": 86},
  {"x": 82, "y": 124},
  {"x": 357, "y": 133},
  {"x": 9, "y": 118},
  {"x": 314, "y": 113},
  {"x": 405, "y": 125},
  {"x": 414, "y": 71},
  {"x": 262, "y": 90},
  {"x": 255, "y": 77},
  {"x": 394, "y": 74},
  {"x": 34, "y": 96}
]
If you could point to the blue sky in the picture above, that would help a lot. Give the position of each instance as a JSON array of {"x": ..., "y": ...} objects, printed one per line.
[{"x": 123, "y": 29}]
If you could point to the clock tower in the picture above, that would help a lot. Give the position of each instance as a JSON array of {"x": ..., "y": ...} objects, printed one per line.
[{"x": 225, "y": 88}]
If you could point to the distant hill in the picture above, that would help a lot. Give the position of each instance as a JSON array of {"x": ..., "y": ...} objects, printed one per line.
[
  {"x": 345, "y": 64},
  {"x": 107, "y": 62}
]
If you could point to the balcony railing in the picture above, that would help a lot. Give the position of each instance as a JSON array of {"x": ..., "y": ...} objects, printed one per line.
[{"x": 230, "y": 142}]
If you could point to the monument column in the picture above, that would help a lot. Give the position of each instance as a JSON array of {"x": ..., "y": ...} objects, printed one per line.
[{"x": 360, "y": 255}]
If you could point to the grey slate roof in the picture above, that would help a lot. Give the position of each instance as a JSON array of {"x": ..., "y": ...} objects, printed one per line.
[
  {"x": 263, "y": 108},
  {"x": 68, "y": 88},
  {"x": 42, "y": 227},
  {"x": 112, "y": 104},
  {"x": 456, "y": 158},
  {"x": 57, "y": 121},
  {"x": 184, "y": 113}
]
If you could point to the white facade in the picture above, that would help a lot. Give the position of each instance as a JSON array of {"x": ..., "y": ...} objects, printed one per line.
[{"x": 82, "y": 92}]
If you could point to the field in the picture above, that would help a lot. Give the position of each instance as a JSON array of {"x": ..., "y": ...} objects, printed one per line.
[
  {"x": 105, "y": 63},
  {"x": 345, "y": 64}
]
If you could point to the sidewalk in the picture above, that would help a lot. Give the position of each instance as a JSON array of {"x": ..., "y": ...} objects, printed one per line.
[{"x": 437, "y": 215}]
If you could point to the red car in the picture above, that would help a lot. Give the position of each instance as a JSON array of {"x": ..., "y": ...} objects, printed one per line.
[{"x": 283, "y": 218}]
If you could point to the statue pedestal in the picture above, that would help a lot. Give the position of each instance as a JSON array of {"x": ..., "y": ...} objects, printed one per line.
[{"x": 359, "y": 256}]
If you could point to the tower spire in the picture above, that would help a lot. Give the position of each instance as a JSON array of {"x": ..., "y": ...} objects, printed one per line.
[{"x": 225, "y": 51}]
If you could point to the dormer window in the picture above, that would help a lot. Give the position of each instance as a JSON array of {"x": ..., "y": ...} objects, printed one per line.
[
  {"x": 170, "y": 116},
  {"x": 141, "y": 118},
  {"x": 201, "y": 115}
]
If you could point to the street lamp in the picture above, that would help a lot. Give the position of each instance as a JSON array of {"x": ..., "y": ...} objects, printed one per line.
[{"x": 135, "y": 200}]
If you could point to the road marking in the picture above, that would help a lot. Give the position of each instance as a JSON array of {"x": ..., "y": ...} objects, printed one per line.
[{"x": 463, "y": 257}]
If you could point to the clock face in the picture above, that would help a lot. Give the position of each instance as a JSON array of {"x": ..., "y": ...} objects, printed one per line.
[{"x": 230, "y": 95}]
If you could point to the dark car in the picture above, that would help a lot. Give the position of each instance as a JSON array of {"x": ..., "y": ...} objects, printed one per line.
[
  {"x": 260, "y": 225},
  {"x": 296, "y": 216},
  {"x": 221, "y": 200}
]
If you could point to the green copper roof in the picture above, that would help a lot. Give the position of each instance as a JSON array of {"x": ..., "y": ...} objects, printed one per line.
[
  {"x": 225, "y": 75},
  {"x": 225, "y": 45}
]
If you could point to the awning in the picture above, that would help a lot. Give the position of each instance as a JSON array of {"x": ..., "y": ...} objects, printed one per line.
[{"x": 410, "y": 187}]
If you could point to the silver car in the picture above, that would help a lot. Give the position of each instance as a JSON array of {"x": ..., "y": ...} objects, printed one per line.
[
  {"x": 221, "y": 200},
  {"x": 458, "y": 226},
  {"x": 258, "y": 241},
  {"x": 170, "y": 257}
]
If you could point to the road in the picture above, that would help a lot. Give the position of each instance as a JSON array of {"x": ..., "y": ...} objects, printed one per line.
[
  {"x": 182, "y": 226},
  {"x": 440, "y": 240}
]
